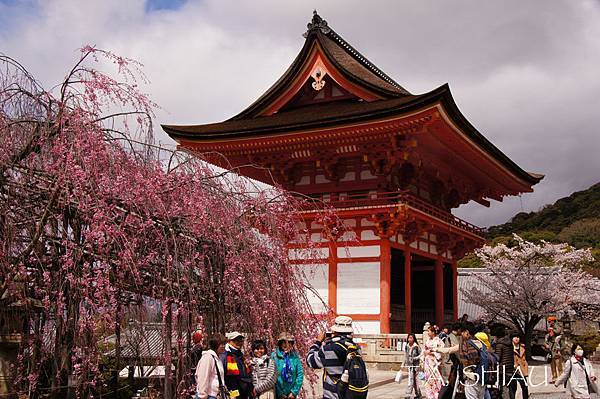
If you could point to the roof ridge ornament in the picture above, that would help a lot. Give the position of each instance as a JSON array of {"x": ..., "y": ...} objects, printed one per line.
[{"x": 317, "y": 23}]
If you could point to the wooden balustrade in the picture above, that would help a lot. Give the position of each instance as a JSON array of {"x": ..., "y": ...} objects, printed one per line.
[
  {"x": 383, "y": 349},
  {"x": 350, "y": 200}
]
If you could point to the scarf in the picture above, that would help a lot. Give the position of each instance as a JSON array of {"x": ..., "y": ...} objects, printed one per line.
[
  {"x": 286, "y": 372},
  {"x": 259, "y": 361},
  {"x": 579, "y": 359},
  {"x": 517, "y": 350}
]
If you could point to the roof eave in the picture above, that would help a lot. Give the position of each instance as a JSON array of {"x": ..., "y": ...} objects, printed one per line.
[
  {"x": 441, "y": 94},
  {"x": 465, "y": 125}
]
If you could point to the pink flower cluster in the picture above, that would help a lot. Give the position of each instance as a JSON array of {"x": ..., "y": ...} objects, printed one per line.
[{"x": 98, "y": 223}]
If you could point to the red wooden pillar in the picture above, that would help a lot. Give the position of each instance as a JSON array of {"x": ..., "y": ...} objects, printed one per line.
[
  {"x": 407, "y": 292},
  {"x": 385, "y": 277},
  {"x": 332, "y": 278},
  {"x": 455, "y": 289},
  {"x": 439, "y": 292}
]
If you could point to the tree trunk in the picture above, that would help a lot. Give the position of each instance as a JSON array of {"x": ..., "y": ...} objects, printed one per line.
[
  {"x": 528, "y": 335},
  {"x": 115, "y": 382},
  {"x": 168, "y": 389}
]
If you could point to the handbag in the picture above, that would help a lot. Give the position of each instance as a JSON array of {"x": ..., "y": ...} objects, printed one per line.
[
  {"x": 592, "y": 386},
  {"x": 223, "y": 391},
  {"x": 398, "y": 377}
]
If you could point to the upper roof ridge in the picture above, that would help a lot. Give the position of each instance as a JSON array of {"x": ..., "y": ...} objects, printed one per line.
[{"x": 319, "y": 24}]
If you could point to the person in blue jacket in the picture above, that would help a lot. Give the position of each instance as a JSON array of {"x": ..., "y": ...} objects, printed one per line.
[{"x": 290, "y": 374}]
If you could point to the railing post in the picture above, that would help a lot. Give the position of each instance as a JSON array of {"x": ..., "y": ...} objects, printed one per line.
[
  {"x": 455, "y": 289},
  {"x": 439, "y": 291},
  {"x": 407, "y": 292},
  {"x": 385, "y": 286}
]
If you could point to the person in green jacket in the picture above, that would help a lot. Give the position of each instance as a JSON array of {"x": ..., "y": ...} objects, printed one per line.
[{"x": 290, "y": 374}]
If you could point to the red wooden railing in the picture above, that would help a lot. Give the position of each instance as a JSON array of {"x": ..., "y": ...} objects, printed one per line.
[{"x": 362, "y": 199}]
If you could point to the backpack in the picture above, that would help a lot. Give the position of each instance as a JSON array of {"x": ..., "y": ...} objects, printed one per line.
[
  {"x": 491, "y": 377},
  {"x": 484, "y": 364},
  {"x": 357, "y": 385}
]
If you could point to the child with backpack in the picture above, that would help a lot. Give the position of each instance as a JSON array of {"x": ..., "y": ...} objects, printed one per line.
[
  {"x": 491, "y": 374},
  {"x": 474, "y": 359},
  {"x": 344, "y": 371}
]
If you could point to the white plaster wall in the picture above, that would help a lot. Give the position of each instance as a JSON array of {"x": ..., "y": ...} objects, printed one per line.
[
  {"x": 366, "y": 175},
  {"x": 358, "y": 252},
  {"x": 358, "y": 288},
  {"x": 301, "y": 253},
  {"x": 366, "y": 327},
  {"x": 315, "y": 225},
  {"x": 349, "y": 222},
  {"x": 433, "y": 249},
  {"x": 302, "y": 238},
  {"x": 321, "y": 179},
  {"x": 349, "y": 176},
  {"x": 316, "y": 275},
  {"x": 348, "y": 236},
  {"x": 305, "y": 180},
  {"x": 317, "y": 237},
  {"x": 368, "y": 235}
]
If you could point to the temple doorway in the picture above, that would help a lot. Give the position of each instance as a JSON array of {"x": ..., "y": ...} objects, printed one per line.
[{"x": 422, "y": 295}]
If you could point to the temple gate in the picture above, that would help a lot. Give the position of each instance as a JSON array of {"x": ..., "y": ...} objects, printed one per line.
[{"x": 338, "y": 130}]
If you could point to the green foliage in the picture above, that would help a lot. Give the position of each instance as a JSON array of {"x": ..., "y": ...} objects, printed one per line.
[
  {"x": 539, "y": 235},
  {"x": 582, "y": 233},
  {"x": 535, "y": 236},
  {"x": 470, "y": 261},
  {"x": 589, "y": 340},
  {"x": 574, "y": 220},
  {"x": 554, "y": 218}
]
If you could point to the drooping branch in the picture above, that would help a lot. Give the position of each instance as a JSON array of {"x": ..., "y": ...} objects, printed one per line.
[{"x": 93, "y": 213}]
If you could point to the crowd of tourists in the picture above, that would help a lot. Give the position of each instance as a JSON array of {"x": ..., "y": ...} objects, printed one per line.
[
  {"x": 223, "y": 371},
  {"x": 475, "y": 361},
  {"x": 463, "y": 360}
]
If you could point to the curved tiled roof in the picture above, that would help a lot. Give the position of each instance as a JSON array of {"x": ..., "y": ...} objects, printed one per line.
[
  {"x": 349, "y": 62},
  {"x": 338, "y": 113},
  {"x": 357, "y": 69}
]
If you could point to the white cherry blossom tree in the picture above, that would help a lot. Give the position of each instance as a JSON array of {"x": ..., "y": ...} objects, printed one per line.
[{"x": 529, "y": 281}]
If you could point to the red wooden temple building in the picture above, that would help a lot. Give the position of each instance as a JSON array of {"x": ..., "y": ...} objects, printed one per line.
[{"x": 337, "y": 129}]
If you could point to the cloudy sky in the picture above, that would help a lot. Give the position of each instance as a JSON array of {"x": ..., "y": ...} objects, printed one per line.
[{"x": 525, "y": 73}]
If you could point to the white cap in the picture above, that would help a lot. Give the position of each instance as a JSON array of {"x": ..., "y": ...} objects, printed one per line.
[
  {"x": 233, "y": 335},
  {"x": 343, "y": 325}
]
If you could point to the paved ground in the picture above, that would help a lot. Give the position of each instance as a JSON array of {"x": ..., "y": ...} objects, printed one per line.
[
  {"x": 377, "y": 380},
  {"x": 384, "y": 387}
]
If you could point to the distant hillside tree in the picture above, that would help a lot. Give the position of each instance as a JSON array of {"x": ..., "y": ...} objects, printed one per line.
[
  {"x": 582, "y": 233},
  {"x": 555, "y": 217},
  {"x": 529, "y": 281}
]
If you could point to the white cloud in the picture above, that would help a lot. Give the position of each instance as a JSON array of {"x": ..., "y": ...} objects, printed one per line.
[{"x": 524, "y": 73}]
